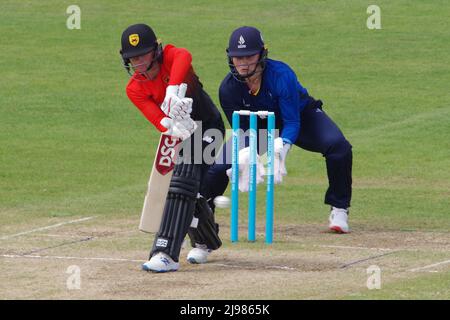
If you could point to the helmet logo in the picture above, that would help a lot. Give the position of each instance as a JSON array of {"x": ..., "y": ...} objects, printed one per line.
[
  {"x": 134, "y": 39},
  {"x": 241, "y": 43}
]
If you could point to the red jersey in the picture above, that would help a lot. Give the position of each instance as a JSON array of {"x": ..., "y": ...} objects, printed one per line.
[{"x": 147, "y": 95}]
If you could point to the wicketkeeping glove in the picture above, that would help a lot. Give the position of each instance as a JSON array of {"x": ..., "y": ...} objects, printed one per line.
[
  {"x": 281, "y": 151},
  {"x": 244, "y": 170}
]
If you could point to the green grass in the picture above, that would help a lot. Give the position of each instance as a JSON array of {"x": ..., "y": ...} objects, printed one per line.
[
  {"x": 428, "y": 287},
  {"x": 71, "y": 144}
]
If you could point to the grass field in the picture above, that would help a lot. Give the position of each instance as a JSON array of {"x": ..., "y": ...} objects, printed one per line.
[{"x": 72, "y": 147}]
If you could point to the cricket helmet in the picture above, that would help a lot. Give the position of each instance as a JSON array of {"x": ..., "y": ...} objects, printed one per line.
[
  {"x": 246, "y": 41},
  {"x": 139, "y": 39}
]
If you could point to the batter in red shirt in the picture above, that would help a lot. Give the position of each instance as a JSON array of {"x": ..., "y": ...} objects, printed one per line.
[{"x": 155, "y": 86}]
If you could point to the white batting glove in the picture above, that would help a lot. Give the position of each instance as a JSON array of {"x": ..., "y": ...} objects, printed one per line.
[
  {"x": 182, "y": 109},
  {"x": 179, "y": 129},
  {"x": 170, "y": 99},
  {"x": 171, "y": 128},
  {"x": 189, "y": 124}
]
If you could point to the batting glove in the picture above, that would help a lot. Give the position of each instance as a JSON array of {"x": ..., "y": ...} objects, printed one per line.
[
  {"x": 170, "y": 100},
  {"x": 180, "y": 129},
  {"x": 182, "y": 109}
]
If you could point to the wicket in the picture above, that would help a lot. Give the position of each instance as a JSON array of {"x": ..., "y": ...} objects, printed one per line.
[{"x": 252, "y": 174}]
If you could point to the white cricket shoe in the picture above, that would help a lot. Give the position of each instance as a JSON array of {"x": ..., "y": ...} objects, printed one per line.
[
  {"x": 160, "y": 262},
  {"x": 198, "y": 255},
  {"x": 339, "y": 220}
]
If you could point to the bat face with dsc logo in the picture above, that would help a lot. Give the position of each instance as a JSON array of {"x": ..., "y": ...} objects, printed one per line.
[
  {"x": 158, "y": 185},
  {"x": 165, "y": 155}
]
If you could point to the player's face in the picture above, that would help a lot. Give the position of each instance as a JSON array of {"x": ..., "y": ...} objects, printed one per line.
[
  {"x": 246, "y": 65},
  {"x": 141, "y": 64}
]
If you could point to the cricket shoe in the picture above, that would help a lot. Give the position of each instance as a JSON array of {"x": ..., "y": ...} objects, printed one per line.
[
  {"x": 199, "y": 254},
  {"x": 339, "y": 220},
  {"x": 160, "y": 262}
]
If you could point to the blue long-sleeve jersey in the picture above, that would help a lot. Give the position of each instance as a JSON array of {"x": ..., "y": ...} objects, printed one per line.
[{"x": 280, "y": 92}]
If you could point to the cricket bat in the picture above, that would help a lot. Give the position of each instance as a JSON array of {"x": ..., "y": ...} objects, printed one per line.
[{"x": 158, "y": 184}]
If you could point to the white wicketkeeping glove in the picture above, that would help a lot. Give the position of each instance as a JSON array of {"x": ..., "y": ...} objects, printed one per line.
[
  {"x": 180, "y": 129},
  {"x": 244, "y": 170},
  {"x": 281, "y": 150}
]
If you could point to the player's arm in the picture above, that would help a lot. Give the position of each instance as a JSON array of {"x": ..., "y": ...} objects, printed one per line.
[
  {"x": 226, "y": 101},
  {"x": 288, "y": 93},
  {"x": 147, "y": 107},
  {"x": 181, "y": 127},
  {"x": 287, "y": 87},
  {"x": 180, "y": 61}
]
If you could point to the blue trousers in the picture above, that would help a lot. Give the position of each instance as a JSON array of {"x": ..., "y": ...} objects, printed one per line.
[{"x": 318, "y": 133}]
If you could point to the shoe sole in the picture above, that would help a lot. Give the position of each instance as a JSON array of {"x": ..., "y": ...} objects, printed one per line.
[
  {"x": 158, "y": 271},
  {"x": 338, "y": 229},
  {"x": 192, "y": 261}
]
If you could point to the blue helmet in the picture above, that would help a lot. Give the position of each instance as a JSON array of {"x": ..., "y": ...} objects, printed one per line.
[{"x": 246, "y": 41}]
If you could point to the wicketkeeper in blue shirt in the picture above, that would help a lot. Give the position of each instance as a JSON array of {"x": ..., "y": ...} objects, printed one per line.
[{"x": 259, "y": 83}]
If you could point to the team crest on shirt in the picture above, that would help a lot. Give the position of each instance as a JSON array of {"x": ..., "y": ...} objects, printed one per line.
[
  {"x": 134, "y": 39},
  {"x": 165, "y": 79}
]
